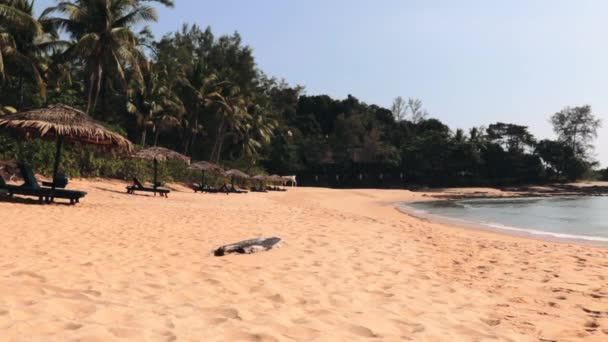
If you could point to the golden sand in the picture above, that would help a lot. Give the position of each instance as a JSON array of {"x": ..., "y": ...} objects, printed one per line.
[{"x": 352, "y": 267}]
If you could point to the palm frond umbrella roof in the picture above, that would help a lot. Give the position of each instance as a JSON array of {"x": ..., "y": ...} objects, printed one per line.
[
  {"x": 61, "y": 121},
  {"x": 160, "y": 154},
  {"x": 275, "y": 178},
  {"x": 236, "y": 173},
  {"x": 206, "y": 166}
]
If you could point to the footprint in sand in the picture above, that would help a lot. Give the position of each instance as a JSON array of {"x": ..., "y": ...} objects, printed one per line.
[
  {"x": 245, "y": 336},
  {"x": 361, "y": 331},
  {"x": 591, "y": 326},
  {"x": 72, "y": 326},
  {"x": 169, "y": 336},
  {"x": 228, "y": 313},
  {"x": 124, "y": 333},
  {"x": 277, "y": 298},
  {"x": 491, "y": 322},
  {"x": 29, "y": 274}
]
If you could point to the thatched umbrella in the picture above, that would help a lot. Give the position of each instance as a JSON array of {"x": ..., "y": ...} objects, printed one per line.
[
  {"x": 275, "y": 179},
  {"x": 63, "y": 124},
  {"x": 160, "y": 154},
  {"x": 205, "y": 166},
  {"x": 260, "y": 179},
  {"x": 234, "y": 173}
]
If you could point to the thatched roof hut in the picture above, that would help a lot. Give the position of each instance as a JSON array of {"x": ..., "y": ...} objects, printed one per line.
[
  {"x": 206, "y": 166},
  {"x": 67, "y": 123},
  {"x": 275, "y": 179},
  {"x": 260, "y": 177},
  {"x": 236, "y": 174},
  {"x": 160, "y": 154},
  {"x": 63, "y": 123}
]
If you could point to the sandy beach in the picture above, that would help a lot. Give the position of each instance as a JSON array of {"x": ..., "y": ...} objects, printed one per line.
[{"x": 131, "y": 267}]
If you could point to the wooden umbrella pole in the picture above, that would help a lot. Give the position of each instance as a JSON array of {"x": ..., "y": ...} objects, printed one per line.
[
  {"x": 155, "y": 173},
  {"x": 57, "y": 160}
]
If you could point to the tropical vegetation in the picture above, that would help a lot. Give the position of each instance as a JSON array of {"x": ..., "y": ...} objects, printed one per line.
[{"x": 205, "y": 96}]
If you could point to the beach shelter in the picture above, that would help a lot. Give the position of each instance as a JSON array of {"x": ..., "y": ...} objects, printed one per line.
[
  {"x": 160, "y": 154},
  {"x": 205, "y": 166},
  {"x": 63, "y": 124},
  {"x": 261, "y": 179},
  {"x": 276, "y": 179},
  {"x": 234, "y": 174}
]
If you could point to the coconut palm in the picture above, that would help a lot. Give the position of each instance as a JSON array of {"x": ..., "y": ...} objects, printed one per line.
[
  {"x": 24, "y": 41},
  {"x": 232, "y": 109},
  {"x": 199, "y": 90},
  {"x": 103, "y": 38},
  {"x": 258, "y": 132},
  {"x": 153, "y": 101}
]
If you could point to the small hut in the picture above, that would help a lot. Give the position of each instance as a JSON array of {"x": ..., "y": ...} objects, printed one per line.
[
  {"x": 205, "y": 166},
  {"x": 160, "y": 154},
  {"x": 63, "y": 124}
]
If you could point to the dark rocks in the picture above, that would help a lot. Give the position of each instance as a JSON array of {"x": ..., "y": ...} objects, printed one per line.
[{"x": 249, "y": 246}]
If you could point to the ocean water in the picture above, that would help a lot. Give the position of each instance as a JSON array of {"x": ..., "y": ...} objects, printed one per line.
[{"x": 582, "y": 218}]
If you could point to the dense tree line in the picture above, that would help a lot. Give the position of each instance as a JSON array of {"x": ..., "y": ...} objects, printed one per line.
[{"x": 204, "y": 96}]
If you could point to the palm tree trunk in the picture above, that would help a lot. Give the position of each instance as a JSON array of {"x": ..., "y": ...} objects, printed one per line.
[
  {"x": 91, "y": 91},
  {"x": 22, "y": 96},
  {"x": 94, "y": 88},
  {"x": 156, "y": 135},
  {"x": 98, "y": 87},
  {"x": 144, "y": 132},
  {"x": 216, "y": 151}
]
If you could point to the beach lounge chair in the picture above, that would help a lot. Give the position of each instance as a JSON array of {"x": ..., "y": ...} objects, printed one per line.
[
  {"x": 61, "y": 181},
  {"x": 237, "y": 191},
  {"x": 32, "y": 188},
  {"x": 260, "y": 189},
  {"x": 275, "y": 188},
  {"x": 204, "y": 188},
  {"x": 51, "y": 194},
  {"x": 230, "y": 189},
  {"x": 138, "y": 186}
]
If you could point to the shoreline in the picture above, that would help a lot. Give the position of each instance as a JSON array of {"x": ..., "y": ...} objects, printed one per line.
[
  {"x": 518, "y": 232},
  {"x": 585, "y": 189}
]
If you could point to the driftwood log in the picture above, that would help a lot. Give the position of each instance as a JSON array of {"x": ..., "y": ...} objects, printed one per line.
[{"x": 249, "y": 246}]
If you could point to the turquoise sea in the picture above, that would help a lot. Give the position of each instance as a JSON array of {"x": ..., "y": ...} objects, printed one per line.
[{"x": 581, "y": 218}]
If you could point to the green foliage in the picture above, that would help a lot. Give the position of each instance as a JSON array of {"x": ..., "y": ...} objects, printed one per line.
[
  {"x": 204, "y": 96},
  {"x": 576, "y": 127}
]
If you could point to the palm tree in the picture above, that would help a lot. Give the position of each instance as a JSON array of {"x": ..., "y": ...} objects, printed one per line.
[
  {"x": 24, "y": 41},
  {"x": 153, "y": 101},
  {"x": 232, "y": 109},
  {"x": 259, "y": 132},
  {"x": 199, "y": 90},
  {"x": 103, "y": 38}
]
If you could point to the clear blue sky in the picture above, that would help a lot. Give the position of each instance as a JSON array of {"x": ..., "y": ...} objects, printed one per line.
[{"x": 472, "y": 62}]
